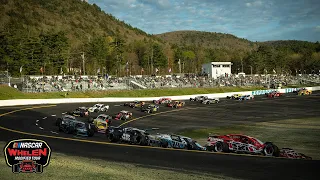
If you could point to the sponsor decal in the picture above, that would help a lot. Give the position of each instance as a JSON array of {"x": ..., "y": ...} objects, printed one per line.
[
  {"x": 27, "y": 155},
  {"x": 289, "y": 90},
  {"x": 260, "y": 92}
]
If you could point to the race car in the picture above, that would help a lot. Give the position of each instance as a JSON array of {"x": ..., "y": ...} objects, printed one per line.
[
  {"x": 68, "y": 124},
  {"x": 199, "y": 98},
  {"x": 128, "y": 135},
  {"x": 174, "y": 141},
  {"x": 234, "y": 96},
  {"x": 162, "y": 101},
  {"x": 150, "y": 108},
  {"x": 292, "y": 154},
  {"x": 101, "y": 126},
  {"x": 238, "y": 143},
  {"x": 245, "y": 97},
  {"x": 211, "y": 101},
  {"x": 98, "y": 108},
  {"x": 81, "y": 111},
  {"x": 273, "y": 94},
  {"x": 101, "y": 122},
  {"x": 122, "y": 115},
  {"x": 135, "y": 104},
  {"x": 304, "y": 91},
  {"x": 176, "y": 104}
]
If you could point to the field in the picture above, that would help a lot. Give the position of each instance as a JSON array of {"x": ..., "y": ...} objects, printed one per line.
[
  {"x": 299, "y": 134},
  {"x": 80, "y": 168},
  {"x": 11, "y": 93}
]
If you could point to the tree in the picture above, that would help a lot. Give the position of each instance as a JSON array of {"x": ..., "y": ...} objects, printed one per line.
[{"x": 188, "y": 58}]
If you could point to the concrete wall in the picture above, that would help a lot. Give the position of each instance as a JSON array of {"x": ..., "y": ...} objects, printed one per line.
[{"x": 17, "y": 102}]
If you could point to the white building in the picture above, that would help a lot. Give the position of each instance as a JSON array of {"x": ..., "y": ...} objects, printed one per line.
[{"x": 216, "y": 69}]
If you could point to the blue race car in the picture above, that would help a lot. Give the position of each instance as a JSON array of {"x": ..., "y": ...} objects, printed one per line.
[
  {"x": 174, "y": 141},
  {"x": 68, "y": 124},
  {"x": 245, "y": 97}
]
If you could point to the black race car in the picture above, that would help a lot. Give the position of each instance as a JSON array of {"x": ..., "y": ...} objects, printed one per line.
[
  {"x": 135, "y": 104},
  {"x": 150, "y": 108},
  {"x": 81, "y": 111},
  {"x": 128, "y": 135}
]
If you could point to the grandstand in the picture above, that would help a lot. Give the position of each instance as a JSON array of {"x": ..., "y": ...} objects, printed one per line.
[{"x": 96, "y": 83}]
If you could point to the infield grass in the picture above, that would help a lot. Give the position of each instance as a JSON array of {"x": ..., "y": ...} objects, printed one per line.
[
  {"x": 302, "y": 135},
  {"x": 7, "y": 92},
  {"x": 80, "y": 168}
]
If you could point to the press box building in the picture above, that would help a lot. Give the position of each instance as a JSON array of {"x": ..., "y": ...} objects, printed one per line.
[{"x": 217, "y": 69}]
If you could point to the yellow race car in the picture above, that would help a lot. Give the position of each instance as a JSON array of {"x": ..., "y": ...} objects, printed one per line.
[
  {"x": 176, "y": 104},
  {"x": 304, "y": 92},
  {"x": 234, "y": 96}
]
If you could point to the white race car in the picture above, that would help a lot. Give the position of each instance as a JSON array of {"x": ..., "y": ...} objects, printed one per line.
[
  {"x": 98, "y": 108},
  {"x": 199, "y": 98},
  {"x": 211, "y": 101}
]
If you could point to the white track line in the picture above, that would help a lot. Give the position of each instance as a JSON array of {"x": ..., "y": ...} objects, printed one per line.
[
  {"x": 54, "y": 132},
  {"x": 36, "y": 124},
  {"x": 53, "y": 115},
  {"x": 41, "y": 128},
  {"x": 37, "y": 120},
  {"x": 44, "y": 118},
  {"x": 64, "y": 113}
]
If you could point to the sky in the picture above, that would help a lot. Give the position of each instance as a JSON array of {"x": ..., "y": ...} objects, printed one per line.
[{"x": 255, "y": 20}]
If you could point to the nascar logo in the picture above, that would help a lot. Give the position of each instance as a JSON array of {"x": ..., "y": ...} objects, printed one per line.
[{"x": 27, "y": 145}]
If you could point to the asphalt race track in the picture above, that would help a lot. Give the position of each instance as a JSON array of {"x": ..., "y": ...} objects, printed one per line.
[{"x": 38, "y": 122}]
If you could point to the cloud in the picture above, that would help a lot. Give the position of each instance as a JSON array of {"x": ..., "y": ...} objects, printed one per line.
[{"x": 252, "y": 19}]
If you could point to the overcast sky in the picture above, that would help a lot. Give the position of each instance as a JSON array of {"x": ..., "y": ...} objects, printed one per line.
[{"x": 256, "y": 20}]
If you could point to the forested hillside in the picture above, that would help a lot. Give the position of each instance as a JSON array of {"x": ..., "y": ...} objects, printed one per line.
[{"x": 62, "y": 36}]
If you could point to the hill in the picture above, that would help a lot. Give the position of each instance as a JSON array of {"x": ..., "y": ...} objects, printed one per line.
[
  {"x": 78, "y": 19},
  {"x": 74, "y": 37},
  {"x": 210, "y": 40}
]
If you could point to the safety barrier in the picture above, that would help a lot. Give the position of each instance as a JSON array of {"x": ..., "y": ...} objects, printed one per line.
[{"x": 18, "y": 102}]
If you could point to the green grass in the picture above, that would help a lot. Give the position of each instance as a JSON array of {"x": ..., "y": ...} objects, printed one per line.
[
  {"x": 300, "y": 134},
  {"x": 11, "y": 93},
  {"x": 80, "y": 168}
]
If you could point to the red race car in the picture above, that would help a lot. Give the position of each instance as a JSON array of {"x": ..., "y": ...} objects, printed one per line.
[
  {"x": 238, "y": 143},
  {"x": 123, "y": 115},
  {"x": 273, "y": 94},
  {"x": 162, "y": 101}
]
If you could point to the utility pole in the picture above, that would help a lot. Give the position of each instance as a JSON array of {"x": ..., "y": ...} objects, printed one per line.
[
  {"x": 151, "y": 59},
  {"x": 241, "y": 65},
  {"x": 179, "y": 62},
  {"x": 83, "y": 64}
]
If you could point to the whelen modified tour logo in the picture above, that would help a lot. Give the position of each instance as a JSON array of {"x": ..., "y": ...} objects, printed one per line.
[{"x": 27, "y": 155}]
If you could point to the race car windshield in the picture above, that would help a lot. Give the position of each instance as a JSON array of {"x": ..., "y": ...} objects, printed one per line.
[{"x": 258, "y": 140}]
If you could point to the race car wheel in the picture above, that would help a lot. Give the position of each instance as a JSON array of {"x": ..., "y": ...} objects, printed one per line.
[
  {"x": 112, "y": 138},
  {"x": 218, "y": 147},
  {"x": 221, "y": 147},
  {"x": 271, "y": 150},
  {"x": 164, "y": 144},
  {"x": 90, "y": 120},
  {"x": 208, "y": 102},
  {"x": 96, "y": 110},
  {"x": 58, "y": 122},
  {"x": 90, "y": 129}
]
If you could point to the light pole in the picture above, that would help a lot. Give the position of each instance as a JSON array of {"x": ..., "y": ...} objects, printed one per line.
[{"x": 251, "y": 70}]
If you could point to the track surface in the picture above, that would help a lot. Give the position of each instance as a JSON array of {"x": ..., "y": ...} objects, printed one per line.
[{"x": 41, "y": 121}]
